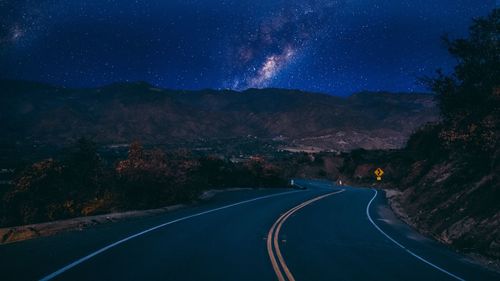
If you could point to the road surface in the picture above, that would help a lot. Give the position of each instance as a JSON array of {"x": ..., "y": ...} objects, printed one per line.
[{"x": 324, "y": 232}]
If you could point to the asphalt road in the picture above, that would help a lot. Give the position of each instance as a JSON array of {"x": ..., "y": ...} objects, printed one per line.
[{"x": 322, "y": 233}]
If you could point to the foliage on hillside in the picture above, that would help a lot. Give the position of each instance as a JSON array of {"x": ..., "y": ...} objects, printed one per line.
[
  {"x": 81, "y": 184},
  {"x": 469, "y": 98},
  {"x": 455, "y": 193}
]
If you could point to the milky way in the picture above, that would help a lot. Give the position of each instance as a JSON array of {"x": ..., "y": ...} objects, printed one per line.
[
  {"x": 332, "y": 46},
  {"x": 22, "y": 21},
  {"x": 277, "y": 41}
]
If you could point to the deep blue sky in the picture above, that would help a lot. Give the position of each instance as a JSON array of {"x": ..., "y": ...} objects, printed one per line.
[{"x": 329, "y": 46}]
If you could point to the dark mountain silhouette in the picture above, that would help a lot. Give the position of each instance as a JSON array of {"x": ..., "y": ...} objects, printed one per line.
[{"x": 120, "y": 113}]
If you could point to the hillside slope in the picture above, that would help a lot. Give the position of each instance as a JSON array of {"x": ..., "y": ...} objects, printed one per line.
[{"x": 451, "y": 196}]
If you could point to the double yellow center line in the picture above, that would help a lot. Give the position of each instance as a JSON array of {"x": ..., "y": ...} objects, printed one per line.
[{"x": 273, "y": 248}]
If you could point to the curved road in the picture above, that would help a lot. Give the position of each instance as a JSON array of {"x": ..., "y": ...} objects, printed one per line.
[{"x": 324, "y": 232}]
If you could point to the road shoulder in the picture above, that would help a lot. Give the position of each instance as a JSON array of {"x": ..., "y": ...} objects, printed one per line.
[{"x": 31, "y": 231}]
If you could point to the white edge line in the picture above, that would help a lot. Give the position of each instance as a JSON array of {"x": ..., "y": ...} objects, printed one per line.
[
  {"x": 91, "y": 255},
  {"x": 403, "y": 247}
]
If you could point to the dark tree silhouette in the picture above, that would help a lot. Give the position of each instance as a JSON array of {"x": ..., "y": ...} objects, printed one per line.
[{"x": 469, "y": 98}]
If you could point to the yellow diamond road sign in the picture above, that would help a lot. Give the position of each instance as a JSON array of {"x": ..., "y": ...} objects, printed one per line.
[{"x": 379, "y": 172}]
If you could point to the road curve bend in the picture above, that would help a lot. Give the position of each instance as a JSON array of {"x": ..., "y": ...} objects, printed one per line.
[{"x": 324, "y": 232}]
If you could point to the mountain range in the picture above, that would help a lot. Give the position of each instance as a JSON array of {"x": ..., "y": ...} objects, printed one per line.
[{"x": 37, "y": 113}]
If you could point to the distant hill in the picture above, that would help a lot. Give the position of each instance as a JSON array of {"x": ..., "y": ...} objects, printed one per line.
[{"x": 120, "y": 113}]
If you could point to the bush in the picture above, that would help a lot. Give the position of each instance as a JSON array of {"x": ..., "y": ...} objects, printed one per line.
[{"x": 79, "y": 184}]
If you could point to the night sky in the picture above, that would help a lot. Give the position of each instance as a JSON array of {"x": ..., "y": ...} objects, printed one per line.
[{"x": 328, "y": 46}]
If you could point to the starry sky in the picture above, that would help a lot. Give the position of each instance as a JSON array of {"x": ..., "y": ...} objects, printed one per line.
[{"x": 332, "y": 46}]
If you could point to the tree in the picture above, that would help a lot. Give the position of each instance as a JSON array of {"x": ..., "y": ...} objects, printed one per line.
[
  {"x": 83, "y": 168},
  {"x": 134, "y": 161},
  {"x": 50, "y": 189},
  {"x": 38, "y": 195},
  {"x": 469, "y": 98}
]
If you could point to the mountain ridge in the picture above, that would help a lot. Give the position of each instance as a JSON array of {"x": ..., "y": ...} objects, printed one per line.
[{"x": 123, "y": 112}]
